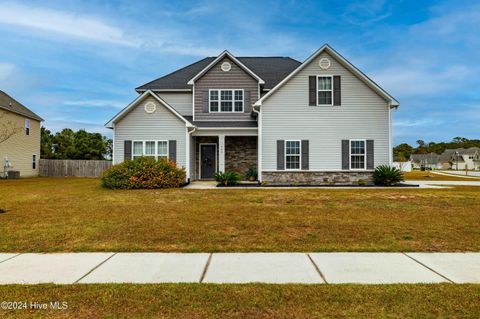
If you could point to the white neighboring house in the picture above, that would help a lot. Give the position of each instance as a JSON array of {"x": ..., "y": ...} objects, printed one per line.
[
  {"x": 465, "y": 159},
  {"x": 313, "y": 122}
]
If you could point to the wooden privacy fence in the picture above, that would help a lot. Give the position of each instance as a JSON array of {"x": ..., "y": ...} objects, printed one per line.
[{"x": 78, "y": 168}]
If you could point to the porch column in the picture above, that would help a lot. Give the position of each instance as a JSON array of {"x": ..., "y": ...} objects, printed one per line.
[{"x": 221, "y": 153}]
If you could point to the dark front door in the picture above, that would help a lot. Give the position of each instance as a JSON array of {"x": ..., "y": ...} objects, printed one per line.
[{"x": 208, "y": 158}]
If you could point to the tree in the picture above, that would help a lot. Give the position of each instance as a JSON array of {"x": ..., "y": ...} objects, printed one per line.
[
  {"x": 7, "y": 128},
  {"x": 402, "y": 151}
]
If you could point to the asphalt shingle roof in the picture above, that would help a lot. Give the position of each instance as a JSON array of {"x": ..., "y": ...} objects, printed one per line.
[
  {"x": 270, "y": 69},
  {"x": 10, "y": 104}
]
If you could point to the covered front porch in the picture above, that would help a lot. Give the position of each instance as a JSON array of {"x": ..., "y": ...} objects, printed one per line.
[{"x": 233, "y": 150}]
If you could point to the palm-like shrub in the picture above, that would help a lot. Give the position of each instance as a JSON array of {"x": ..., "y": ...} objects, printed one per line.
[
  {"x": 227, "y": 178},
  {"x": 143, "y": 172},
  {"x": 387, "y": 175}
]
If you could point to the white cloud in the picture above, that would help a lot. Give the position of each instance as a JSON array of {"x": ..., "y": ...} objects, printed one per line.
[
  {"x": 96, "y": 103},
  {"x": 63, "y": 23},
  {"x": 6, "y": 70}
]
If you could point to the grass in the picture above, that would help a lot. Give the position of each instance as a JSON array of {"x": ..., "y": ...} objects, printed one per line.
[
  {"x": 73, "y": 214},
  {"x": 429, "y": 176},
  {"x": 248, "y": 301}
]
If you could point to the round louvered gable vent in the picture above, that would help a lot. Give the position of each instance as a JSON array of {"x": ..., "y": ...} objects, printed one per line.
[
  {"x": 150, "y": 107},
  {"x": 324, "y": 63},
  {"x": 226, "y": 66}
]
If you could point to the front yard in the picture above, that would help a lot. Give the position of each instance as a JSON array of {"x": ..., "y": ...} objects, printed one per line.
[{"x": 73, "y": 214}]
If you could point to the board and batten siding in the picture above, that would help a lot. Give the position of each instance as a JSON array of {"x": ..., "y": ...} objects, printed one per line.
[
  {"x": 215, "y": 78},
  {"x": 160, "y": 125},
  {"x": 286, "y": 115},
  {"x": 180, "y": 101}
]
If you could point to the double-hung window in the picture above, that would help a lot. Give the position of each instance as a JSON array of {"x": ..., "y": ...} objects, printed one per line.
[
  {"x": 34, "y": 161},
  {"x": 292, "y": 155},
  {"x": 358, "y": 154},
  {"x": 155, "y": 149},
  {"x": 226, "y": 100},
  {"x": 324, "y": 90},
  {"x": 27, "y": 127}
]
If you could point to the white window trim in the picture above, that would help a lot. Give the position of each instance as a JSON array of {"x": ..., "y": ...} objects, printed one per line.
[
  {"x": 299, "y": 156},
  {"x": 156, "y": 148},
  {"x": 220, "y": 100},
  {"x": 364, "y": 155},
  {"x": 27, "y": 126},
  {"x": 317, "y": 90}
]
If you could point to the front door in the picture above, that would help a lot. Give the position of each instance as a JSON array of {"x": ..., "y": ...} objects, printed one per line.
[{"x": 208, "y": 161}]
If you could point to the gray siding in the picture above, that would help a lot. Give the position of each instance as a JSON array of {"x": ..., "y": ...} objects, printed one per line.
[
  {"x": 287, "y": 115},
  {"x": 215, "y": 78},
  {"x": 160, "y": 125},
  {"x": 180, "y": 101}
]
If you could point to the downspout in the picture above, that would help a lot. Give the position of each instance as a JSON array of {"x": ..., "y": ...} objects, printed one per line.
[
  {"x": 194, "y": 128},
  {"x": 259, "y": 143}
]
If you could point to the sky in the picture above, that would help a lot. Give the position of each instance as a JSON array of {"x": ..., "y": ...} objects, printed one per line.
[{"x": 77, "y": 63}]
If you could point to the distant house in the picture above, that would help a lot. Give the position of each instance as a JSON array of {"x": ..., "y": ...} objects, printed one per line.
[
  {"x": 430, "y": 160},
  {"x": 465, "y": 158},
  {"x": 19, "y": 137}
]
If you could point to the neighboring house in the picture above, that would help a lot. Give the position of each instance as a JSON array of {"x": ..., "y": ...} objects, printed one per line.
[
  {"x": 465, "y": 158},
  {"x": 320, "y": 121},
  {"x": 430, "y": 160},
  {"x": 22, "y": 127}
]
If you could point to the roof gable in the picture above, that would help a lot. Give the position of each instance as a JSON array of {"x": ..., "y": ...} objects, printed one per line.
[
  {"x": 345, "y": 63},
  {"x": 10, "y": 104},
  {"x": 223, "y": 55},
  {"x": 139, "y": 99}
]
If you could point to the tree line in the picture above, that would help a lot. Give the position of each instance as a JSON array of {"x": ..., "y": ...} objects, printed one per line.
[
  {"x": 81, "y": 145},
  {"x": 403, "y": 151}
]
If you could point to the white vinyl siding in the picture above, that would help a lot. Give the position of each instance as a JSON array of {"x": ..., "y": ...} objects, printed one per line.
[
  {"x": 180, "y": 101},
  {"x": 162, "y": 125},
  {"x": 286, "y": 115}
]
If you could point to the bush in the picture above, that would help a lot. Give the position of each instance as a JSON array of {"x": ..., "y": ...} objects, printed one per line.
[
  {"x": 227, "y": 178},
  {"x": 387, "y": 176},
  {"x": 144, "y": 172}
]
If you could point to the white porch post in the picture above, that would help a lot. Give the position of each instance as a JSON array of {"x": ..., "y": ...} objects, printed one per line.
[{"x": 221, "y": 153}]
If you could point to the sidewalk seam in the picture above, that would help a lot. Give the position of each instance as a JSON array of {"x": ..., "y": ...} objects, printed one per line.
[
  {"x": 429, "y": 268},
  {"x": 94, "y": 268},
  {"x": 10, "y": 258},
  {"x": 317, "y": 269},
  {"x": 204, "y": 273}
]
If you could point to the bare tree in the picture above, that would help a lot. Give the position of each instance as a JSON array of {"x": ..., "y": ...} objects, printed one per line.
[{"x": 7, "y": 127}]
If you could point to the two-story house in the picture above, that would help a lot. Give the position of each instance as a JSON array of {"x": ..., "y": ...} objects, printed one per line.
[
  {"x": 19, "y": 138},
  {"x": 316, "y": 122}
]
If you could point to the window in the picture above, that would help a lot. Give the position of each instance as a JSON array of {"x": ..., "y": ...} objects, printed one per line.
[
  {"x": 154, "y": 149},
  {"x": 292, "y": 155},
  {"x": 27, "y": 127},
  {"x": 324, "y": 90},
  {"x": 226, "y": 100},
  {"x": 34, "y": 161},
  {"x": 357, "y": 154}
]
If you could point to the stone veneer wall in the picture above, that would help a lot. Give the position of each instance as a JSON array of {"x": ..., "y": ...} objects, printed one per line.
[
  {"x": 198, "y": 140},
  {"x": 317, "y": 178},
  {"x": 240, "y": 153}
]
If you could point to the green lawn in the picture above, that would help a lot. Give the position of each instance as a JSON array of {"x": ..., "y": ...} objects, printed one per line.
[
  {"x": 73, "y": 214},
  {"x": 248, "y": 301}
]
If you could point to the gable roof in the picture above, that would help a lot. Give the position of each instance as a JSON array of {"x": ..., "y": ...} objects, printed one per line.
[
  {"x": 10, "y": 104},
  {"x": 326, "y": 48},
  {"x": 271, "y": 69},
  {"x": 129, "y": 107}
]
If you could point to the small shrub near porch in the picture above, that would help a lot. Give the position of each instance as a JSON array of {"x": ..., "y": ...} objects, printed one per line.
[{"x": 144, "y": 173}]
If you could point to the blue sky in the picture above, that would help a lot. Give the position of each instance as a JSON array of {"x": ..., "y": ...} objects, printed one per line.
[{"x": 76, "y": 63}]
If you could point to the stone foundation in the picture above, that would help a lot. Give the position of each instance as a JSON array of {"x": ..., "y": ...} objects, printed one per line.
[
  {"x": 240, "y": 153},
  {"x": 317, "y": 178}
]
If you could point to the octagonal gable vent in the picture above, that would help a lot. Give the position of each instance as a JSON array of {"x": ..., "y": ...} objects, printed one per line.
[
  {"x": 150, "y": 107},
  {"x": 226, "y": 66},
  {"x": 324, "y": 63}
]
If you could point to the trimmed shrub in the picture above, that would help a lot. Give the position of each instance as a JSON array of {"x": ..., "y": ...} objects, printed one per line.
[
  {"x": 227, "y": 178},
  {"x": 144, "y": 173},
  {"x": 387, "y": 176}
]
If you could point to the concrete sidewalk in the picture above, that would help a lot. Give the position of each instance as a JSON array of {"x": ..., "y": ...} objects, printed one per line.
[{"x": 278, "y": 268}]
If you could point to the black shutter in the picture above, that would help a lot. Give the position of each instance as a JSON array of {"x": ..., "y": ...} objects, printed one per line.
[
  {"x": 280, "y": 155},
  {"x": 127, "y": 150},
  {"x": 345, "y": 154},
  {"x": 370, "y": 153},
  {"x": 305, "y": 153},
  {"x": 172, "y": 150},
  {"x": 205, "y": 102},
  {"x": 312, "y": 90},
  {"x": 337, "y": 93},
  {"x": 246, "y": 101}
]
